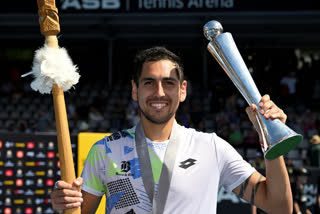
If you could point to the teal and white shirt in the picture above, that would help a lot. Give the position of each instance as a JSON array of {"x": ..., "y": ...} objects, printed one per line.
[{"x": 204, "y": 163}]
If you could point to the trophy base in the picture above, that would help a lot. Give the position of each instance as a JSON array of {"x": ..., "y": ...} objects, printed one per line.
[{"x": 283, "y": 147}]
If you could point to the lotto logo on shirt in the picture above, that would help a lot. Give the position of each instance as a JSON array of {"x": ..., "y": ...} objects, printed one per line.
[{"x": 187, "y": 163}]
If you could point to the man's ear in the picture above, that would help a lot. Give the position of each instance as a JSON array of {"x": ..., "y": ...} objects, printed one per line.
[
  {"x": 134, "y": 91},
  {"x": 183, "y": 91}
]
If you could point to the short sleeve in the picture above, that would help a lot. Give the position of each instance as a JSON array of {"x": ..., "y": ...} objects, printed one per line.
[
  {"x": 234, "y": 170},
  {"x": 93, "y": 172}
]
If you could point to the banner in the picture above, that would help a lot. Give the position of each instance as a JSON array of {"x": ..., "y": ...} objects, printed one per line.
[
  {"x": 29, "y": 166},
  {"x": 137, "y": 6}
]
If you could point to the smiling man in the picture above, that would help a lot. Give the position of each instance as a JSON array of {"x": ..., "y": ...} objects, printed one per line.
[{"x": 160, "y": 167}]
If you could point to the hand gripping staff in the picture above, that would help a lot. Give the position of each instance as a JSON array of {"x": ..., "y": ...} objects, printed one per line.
[{"x": 54, "y": 71}]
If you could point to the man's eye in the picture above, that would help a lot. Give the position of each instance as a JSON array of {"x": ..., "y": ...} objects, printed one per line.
[
  {"x": 148, "y": 83},
  {"x": 169, "y": 82}
]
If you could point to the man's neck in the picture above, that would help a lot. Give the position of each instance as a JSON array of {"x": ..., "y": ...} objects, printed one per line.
[{"x": 157, "y": 132}]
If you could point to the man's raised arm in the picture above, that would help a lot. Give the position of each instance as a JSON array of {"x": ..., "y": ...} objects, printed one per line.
[{"x": 273, "y": 192}]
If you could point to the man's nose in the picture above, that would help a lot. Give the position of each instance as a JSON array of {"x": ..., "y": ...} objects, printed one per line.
[{"x": 160, "y": 90}]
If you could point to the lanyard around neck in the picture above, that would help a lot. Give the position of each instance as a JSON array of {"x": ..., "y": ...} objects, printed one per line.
[{"x": 168, "y": 164}]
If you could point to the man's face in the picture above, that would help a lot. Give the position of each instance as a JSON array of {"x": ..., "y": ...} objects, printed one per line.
[{"x": 159, "y": 92}]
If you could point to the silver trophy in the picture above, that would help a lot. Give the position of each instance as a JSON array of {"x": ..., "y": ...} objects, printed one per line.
[{"x": 278, "y": 139}]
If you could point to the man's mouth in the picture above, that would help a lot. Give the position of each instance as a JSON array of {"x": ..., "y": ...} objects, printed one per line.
[{"x": 158, "y": 106}]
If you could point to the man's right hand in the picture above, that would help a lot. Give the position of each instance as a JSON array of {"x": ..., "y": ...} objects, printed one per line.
[{"x": 66, "y": 196}]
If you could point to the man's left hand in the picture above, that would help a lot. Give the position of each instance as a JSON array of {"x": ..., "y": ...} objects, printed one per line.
[{"x": 267, "y": 109}]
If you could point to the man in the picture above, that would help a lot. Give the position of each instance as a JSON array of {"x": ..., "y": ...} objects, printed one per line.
[
  {"x": 315, "y": 151},
  {"x": 195, "y": 165},
  {"x": 299, "y": 196}
]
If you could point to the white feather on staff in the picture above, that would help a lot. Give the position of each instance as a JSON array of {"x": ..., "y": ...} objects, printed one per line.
[{"x": 53, "y": 66}]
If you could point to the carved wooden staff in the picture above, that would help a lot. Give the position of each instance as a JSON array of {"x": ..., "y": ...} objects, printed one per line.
[{"x": 54, "y": 71}]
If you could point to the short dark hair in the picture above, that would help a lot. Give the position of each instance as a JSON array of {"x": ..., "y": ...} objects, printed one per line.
[{"x": 156, "y": 54}]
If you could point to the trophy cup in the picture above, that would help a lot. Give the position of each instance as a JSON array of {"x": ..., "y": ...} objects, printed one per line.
[{"x": 277, "y": 138}]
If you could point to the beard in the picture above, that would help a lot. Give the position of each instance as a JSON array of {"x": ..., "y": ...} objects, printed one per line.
[{"x": 155, "y": 120}]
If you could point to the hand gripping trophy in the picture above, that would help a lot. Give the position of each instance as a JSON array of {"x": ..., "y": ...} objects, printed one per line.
[{"x": 277, "y": 138}]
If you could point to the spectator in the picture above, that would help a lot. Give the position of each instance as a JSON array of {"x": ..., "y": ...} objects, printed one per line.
[
  {"x": 72, "y": 110},
  {"x": 288, "y": 83},
  {"x": 43, "y": 121},
  {"x": 184, "y": 117},
  {"x": 235, "y": 137},
  {"x": 222, "y": 118},
  {"x": 83, "y": 126},
  {"x": 82, "y": 109},
  {"x": 22, "y": 126},
  {"x": 234, "y": 117},
  {"x": 299, "y": 196},
  {"x": 315, "y": 151},
  {"x": 309, "y": 123},
  {"x": 258, "y": 161},
  {"x": 289, "y": 164},
  {"x": 197, "y": 117},
  {"x": 316, "y": 90},
  {"x": 132, "y": 116},
  {"x": 94, "y": 114},
  {"x": 251, "y": 138},
  {"x": 118, "y": 114},
  {"x": 318, "y": 197}
]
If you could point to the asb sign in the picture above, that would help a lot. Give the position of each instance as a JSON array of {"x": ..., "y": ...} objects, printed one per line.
[{"x": 90, "y": 4}]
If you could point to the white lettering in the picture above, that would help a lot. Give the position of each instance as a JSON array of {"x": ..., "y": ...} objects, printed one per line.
[
  {"x": 70, "y": 4},
  {"x": 226, "y": 3},
  {"x": 111, "y": 4},
  {"x": 163, "y": 4},
  {"x": 160, "y": 4},
  {"x": 311, "y": 191},
  {"x": 311, "y": 188},
  {"x": 195, "y": 3},
  {"x": 147, "y": 4},
  {"x": 179, "y": 4},
  {"x": 91, "y": 4},
  {"x": 212, "y": 3},
  {"x": 311, "y": 200}
]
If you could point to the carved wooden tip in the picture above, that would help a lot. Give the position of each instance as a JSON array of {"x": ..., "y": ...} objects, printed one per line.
[{"x": 48, "y": 17}]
